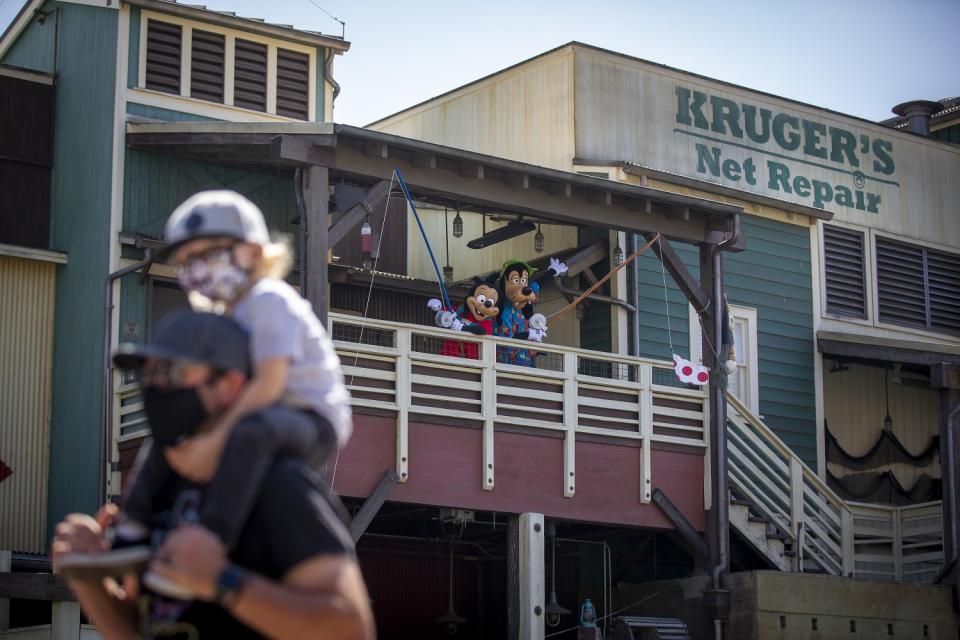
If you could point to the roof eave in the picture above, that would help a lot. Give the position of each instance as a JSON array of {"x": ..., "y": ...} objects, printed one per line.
[{"x": 245, "y": 24}]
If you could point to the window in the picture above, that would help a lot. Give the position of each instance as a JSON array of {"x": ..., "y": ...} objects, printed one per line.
[
  {"x": 163, "y": 56},
  {"x": 917, "y": 286},
  {"x": 212, "y": 64},
  {"x": 207, "y": 65},
  {"x": 250, "y": 79},
  {"x": 843, "y": 266},
  {"x": 744, "y": 383},
  {"x": 293, "y": 82}
]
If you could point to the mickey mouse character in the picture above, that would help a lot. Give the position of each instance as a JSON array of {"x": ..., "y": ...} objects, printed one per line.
[
  {"x": 519, "y": 293},
  {"x": 476, "y": 316}
]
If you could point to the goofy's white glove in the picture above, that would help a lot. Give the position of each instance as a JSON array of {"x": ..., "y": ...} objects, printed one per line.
[
  {"x": 559, "y": 268},
  {"x": 537, "y": 327},
  {"x": 457, "y": 324}
]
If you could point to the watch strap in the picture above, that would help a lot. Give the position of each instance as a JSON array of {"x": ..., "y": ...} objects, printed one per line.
[{"x": 229, "y": 584}]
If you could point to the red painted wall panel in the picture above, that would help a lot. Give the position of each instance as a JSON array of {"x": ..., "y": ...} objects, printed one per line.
[{"x": 445, "y": 467}]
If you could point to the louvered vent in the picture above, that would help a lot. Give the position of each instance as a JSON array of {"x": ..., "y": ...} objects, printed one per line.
[
  {"x": 843, "y": 251},
  {"x": 293, "y": 84},
  {"x": 943, "y": 282},
  {"x": 206, "y": 74},
  {"x": 900, "y": 283},
  {"x": 163, "y": 56},
  {"x": 250, "y": 77}
]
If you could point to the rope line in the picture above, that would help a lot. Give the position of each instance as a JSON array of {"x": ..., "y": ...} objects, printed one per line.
[
  {"x": 599, "y": 283},
  {"x": 366, "y": 309},
  {"x": 666, "y": 301}
]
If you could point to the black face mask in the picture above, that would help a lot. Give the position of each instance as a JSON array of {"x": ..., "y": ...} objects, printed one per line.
[{"x": 173, "y": 415}]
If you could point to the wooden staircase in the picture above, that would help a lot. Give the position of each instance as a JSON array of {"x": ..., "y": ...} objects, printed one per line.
[{"x": 780, "y": 507}]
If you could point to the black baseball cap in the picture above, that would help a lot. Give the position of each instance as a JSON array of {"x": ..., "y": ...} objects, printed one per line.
[{"x": 206, "y": 338}]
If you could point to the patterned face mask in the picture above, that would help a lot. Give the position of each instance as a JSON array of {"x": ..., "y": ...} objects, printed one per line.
[{"x": 215, "y": 275}]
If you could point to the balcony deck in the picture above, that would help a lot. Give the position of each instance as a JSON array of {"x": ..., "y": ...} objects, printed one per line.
[{"x": 582, "y": 435}]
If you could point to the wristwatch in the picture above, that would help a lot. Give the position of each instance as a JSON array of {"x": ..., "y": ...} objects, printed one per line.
[{"x": 229, "y": 584}]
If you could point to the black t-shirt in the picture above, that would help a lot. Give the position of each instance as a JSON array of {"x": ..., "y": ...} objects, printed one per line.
[{"x": 293, "y": 519}]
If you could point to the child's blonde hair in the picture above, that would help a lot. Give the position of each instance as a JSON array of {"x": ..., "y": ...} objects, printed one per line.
[{"x": 276, "y": 259}]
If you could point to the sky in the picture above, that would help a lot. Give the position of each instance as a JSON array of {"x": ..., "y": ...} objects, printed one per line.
[{"x": 858, "y": 57}]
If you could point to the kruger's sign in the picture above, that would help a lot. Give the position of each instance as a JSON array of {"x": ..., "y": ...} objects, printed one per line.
[{"x": 789, "y": 155}]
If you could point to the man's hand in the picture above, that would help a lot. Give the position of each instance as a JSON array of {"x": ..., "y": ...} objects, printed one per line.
[
  {"x": 193, "y": 557},
  {"x": 196, "y": 459},
  {"x": 80, "y": 533}
]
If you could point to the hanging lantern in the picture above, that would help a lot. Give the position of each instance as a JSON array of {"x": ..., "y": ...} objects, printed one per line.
[
  {"x": 887, "y": 420},
  {"x": 366, "y": 246},
  {"x": 617, "y": 255},
  {"x": 447, "y": 274},
  {"x": 538, "y": 240},
  {"x": 458, "y": 225}
]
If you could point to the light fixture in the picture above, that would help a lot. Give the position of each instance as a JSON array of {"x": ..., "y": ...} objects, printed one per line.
[
  {"x": 457, "y": 225},
  {"x": 366, "y": 246},
  {"x": 617, "y": 255},
  {"x": 538, "y": 240},
  {"x": 447, "y": 270},
  {"x": 450, "y": 621},
  {"x": 512, "y": 230},
  {"x": 887, "y": 420},
  {"x": 554, "y": 610}
]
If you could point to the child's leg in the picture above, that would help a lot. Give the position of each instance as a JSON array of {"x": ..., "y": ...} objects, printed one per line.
[
  {"x": 254, "y": 443},
  {"x": 149, "y": 476}
]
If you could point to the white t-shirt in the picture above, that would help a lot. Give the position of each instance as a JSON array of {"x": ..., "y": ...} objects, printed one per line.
[{"x": 282, "y": 324}]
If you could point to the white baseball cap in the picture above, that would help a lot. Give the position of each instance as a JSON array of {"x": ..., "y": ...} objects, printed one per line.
[{"x": 215, "y": 214}]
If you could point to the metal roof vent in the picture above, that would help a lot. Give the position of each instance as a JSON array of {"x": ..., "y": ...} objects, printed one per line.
[{"x": 918, "y": 113}]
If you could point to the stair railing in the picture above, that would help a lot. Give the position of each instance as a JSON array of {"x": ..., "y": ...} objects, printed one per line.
[{"x": 764, "y": 470}]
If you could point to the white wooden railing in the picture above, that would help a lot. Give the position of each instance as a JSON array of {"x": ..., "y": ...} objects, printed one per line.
[
  {"x": 898, "y": 543},
  {"x": 439, "y": 375},
  {"x": 448, "y": 376},
  {"x": 841, "y": 538}
]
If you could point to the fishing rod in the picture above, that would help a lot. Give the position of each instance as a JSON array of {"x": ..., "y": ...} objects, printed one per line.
[{"x": 426, "y": 241}]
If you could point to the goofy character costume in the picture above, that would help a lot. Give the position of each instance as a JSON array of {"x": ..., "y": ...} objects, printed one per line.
[{"x": 518, "y": 294}]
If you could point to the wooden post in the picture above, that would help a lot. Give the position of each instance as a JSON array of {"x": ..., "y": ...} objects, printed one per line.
[
  {"x": 848, "y": 546},
  {"x": 317, "y": 197},
  {"x": 646, "y": 430},
  {"x": 513, "y": 578},
  {"x": 403, "y": 402},
  {"x": 570, "y": 423},
  {"x": 718, "y": 521},
  {"x": 5, "y": 560},
  {"x": 796, "y": 495},
  {"x": 488, "y": 400},
  {"x": 532, "y": 587},
  {"x": 65, "y": 621}
]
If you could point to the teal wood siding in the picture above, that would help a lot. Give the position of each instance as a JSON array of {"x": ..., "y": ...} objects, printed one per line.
[
  {"x": 34, "y": 48},
  {"x": 949, "y": 134},
  {"x": 772, "y": 276},
  {"x": 155, "y": 184},
  {"x": 80, "y": 224},
  {"x": 167, "y": 115},
  {"x": 595, "y": 328},
  {"x": 133, "y": 52}
]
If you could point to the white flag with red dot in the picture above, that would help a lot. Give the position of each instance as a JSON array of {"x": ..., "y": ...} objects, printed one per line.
[{"x": 690, "y": 373}]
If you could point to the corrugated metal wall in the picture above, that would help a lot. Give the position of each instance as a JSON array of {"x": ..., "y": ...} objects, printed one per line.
[{"x": 26, "y": 347}]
